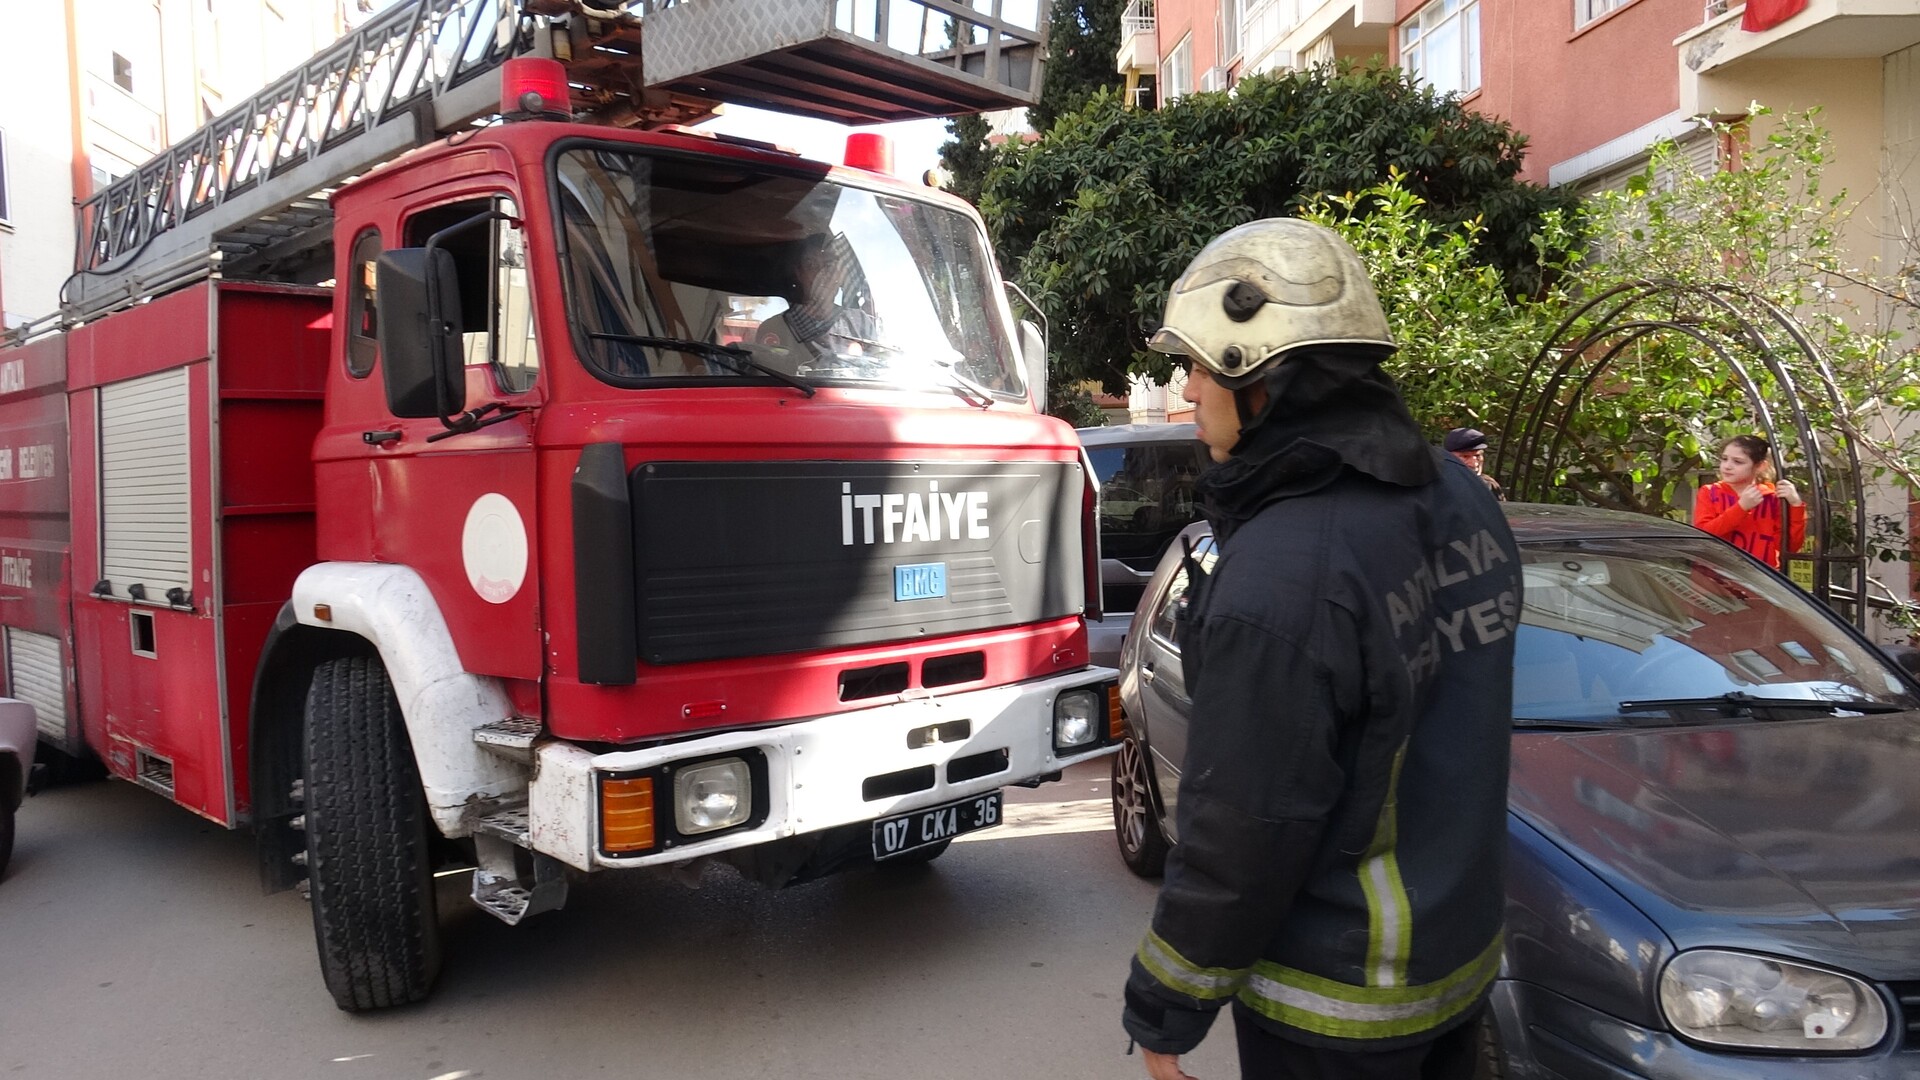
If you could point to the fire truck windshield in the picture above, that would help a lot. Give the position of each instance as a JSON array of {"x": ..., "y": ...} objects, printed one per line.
[{"x": 815, "y": 280}]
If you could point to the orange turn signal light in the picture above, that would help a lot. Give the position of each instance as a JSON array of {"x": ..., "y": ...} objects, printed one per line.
[
  {"x": 1116, "y": 716},
  {"x": 626, "y": 814}
]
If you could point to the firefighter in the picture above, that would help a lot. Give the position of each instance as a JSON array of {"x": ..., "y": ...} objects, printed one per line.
[{"x": 1342, "y": 810}]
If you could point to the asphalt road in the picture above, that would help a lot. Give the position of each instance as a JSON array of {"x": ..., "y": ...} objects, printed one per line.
[{"x": 135, "y": 942}]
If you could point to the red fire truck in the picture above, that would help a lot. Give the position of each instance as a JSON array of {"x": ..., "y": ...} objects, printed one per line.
[{"x": 551, "y": 497}]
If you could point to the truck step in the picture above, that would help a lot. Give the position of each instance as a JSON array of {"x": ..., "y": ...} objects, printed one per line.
[
  {"x": 511, "y": 738},
  {"x": 509, "y": 824},
  {"x": 506, "y": 887}
]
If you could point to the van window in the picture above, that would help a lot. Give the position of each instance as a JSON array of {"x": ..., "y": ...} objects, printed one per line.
[{"x": 1146, "y": 498}]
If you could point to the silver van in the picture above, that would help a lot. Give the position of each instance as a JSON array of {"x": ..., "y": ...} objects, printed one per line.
[{"x": 1146, "y": 474}]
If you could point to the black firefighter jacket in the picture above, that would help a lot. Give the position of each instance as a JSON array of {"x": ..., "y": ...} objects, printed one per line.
[{"x": 1342, "y": 812}]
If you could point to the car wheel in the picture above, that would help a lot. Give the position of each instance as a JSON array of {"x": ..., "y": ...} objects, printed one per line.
[
  {"x": 369, "y": 861},
  {"x": 1490, "y": 1059},
  {"x": 1136, "y": 822}
]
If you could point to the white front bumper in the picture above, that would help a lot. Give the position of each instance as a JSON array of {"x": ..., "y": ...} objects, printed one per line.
[{"x": 815, "y": 768}]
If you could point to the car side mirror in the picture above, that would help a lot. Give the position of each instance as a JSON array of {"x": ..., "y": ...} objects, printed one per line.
[
  {"x": 417, "y": 300},
  {"x": 1906, "y": 656}
]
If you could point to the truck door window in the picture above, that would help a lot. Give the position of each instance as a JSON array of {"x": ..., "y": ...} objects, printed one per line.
[
  {"x": 496, "y": 302},
  {"x": 362, "y": 343}
]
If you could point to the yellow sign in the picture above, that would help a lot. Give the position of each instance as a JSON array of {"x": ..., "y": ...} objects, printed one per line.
[{"x": 1800, "y": 572}]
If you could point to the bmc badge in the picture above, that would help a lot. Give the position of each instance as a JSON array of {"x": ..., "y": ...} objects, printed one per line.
[{"x": 920, "y": 581}]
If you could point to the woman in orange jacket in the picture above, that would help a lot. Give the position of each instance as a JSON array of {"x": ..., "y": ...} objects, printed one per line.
[{"x": 1746, "y": 506}]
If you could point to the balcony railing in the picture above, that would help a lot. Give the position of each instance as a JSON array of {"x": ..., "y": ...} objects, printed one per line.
[{"x": 1137, "y": 19}]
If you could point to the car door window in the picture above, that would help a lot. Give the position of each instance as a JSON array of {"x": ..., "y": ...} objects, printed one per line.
[
  {"x": 495, "y": 298},
  {"x": 1172, "y": 608}
]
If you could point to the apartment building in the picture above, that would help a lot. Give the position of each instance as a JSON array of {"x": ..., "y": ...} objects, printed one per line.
[{"x": 93, "y": 88}]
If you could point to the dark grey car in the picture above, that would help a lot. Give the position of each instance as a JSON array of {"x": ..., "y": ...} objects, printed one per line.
[{"x": 1714, "y": 812}]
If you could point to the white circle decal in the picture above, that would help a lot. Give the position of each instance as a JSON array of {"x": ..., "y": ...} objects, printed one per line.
[{"x": 494, "y": 547}]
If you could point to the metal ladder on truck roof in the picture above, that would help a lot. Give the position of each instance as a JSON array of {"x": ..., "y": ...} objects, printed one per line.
[{"x": 246, "y": 195}]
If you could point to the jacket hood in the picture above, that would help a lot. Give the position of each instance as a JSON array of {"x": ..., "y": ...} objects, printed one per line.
[
  {"x": 1789, "y": 837},
  {"x": 1326, "y": 412}
]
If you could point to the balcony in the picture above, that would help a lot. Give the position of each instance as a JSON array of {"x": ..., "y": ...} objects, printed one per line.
[
  {"x": 1291, "y": 28},
  {"x": 1826, "y": 30},
  {"x": 1139, "y": 45}
]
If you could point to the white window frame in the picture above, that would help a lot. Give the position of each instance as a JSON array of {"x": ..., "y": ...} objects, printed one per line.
[
  {"x": 1590, "y": 11},
  {"x": 1227, "y": 23},
  {"x": 1179, "y": 62},
  {"x": 1462, "y": 19},
  {"x": 6, "y": 183}
]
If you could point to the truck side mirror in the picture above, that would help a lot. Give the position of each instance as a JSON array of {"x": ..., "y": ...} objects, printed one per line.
[
  {"x": 417, "y": 298},
  {"x": 1033, "y": 352}
]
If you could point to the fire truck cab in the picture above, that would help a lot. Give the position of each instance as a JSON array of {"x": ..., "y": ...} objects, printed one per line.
[{"x": 619, "y": 498}]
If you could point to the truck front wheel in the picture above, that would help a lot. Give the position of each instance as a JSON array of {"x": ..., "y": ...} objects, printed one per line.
[{"x": 369, "y": 861}]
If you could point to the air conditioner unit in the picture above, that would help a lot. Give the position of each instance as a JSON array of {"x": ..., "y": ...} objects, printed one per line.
[{"x": 1214, "y": 78}]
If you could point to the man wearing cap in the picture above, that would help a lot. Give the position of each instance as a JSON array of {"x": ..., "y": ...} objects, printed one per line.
[
  {"x": 1469, "y": 447},
  {"x": 1342, "y": 809}
]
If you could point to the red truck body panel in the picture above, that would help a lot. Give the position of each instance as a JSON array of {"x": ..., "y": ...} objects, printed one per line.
[{"x": 282, "y": 475}]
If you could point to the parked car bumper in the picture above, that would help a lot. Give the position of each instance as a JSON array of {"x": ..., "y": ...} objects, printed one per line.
[{"x": 1552, "y": 1037}]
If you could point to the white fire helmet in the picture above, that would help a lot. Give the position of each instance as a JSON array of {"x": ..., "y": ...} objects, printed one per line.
[{"x": 1266, "y": 288}]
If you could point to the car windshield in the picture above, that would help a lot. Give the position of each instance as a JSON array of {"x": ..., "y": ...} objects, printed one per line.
[
  {"x": 1649, "y": 632},
  {"x": 679, "y": 267}
]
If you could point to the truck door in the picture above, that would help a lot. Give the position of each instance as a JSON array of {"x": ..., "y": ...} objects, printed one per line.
[{"x": 460, "y": 509}]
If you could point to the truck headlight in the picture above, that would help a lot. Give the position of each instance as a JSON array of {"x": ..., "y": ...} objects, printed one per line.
[
  {"x": 712, "y": 795},
  {"x": 1752, "y": 1002},
  {"x": 1076, "y": 716}
]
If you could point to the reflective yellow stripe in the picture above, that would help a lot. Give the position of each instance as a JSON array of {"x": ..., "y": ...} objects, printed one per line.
[
  {"x": 1389, "y": 913},
  {"x": 1178, "y": 973},
  {"x": 1325, "y": 1007}
]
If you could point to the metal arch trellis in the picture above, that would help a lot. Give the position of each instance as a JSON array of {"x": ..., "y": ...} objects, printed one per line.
[{"x": 1734, "y": 325}]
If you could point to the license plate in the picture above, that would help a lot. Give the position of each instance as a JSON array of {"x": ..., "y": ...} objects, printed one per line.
[
  {"x": 902, "y": 833},
  {"x": 920, "y": 581}
]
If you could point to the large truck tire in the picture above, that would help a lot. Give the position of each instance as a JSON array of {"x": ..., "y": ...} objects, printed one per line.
[{"x": 369, "y": 859}]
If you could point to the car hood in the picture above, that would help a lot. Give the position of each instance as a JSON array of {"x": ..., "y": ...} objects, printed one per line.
[{"x": 1794, "y": 837}]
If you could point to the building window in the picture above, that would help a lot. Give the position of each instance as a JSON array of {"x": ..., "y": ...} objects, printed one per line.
[
  {"x": 6, "y": 188},
  {"x": 123, "y": 73},
  {"x": 1176, "y": 72},
  {"x": 1440, "y": 46},
  {"x": 1318, "y": 53},
  {"x": 1585, "y": 11},
  {"x": 1229, "y": 29}
]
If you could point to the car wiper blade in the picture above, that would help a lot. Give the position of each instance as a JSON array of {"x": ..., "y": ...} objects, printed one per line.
[
  {"x": 1565, "y": 725},
  {"x": 731, "y": 356},
  {"x": 1738, "y": 701}
]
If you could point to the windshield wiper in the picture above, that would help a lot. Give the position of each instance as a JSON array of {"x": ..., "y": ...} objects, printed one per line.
[
  {"x": 1566, "y": 725},
  {"x": 1736, "y": 701},
  {"x": 731, "y": 356},
  {"x": 970, "y": 391}
]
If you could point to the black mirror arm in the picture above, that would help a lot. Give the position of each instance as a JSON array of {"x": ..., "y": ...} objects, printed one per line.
[
  {"x": 475, "y": 419},
  {"x": 439, "y": 327}
]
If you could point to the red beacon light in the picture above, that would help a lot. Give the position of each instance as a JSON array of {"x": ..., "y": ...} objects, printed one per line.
[
  {"x": 871, "y": 151},
  {"x": 532, "y": 88}
]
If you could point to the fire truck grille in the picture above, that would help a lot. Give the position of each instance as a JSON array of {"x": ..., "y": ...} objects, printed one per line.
[{"x": 756, "y": 558}]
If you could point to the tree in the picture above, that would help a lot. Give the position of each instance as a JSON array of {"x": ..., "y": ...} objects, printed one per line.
[
  {"x": 1083, "y": 37},
  {"x": 1104, "y": 210},
  {"x": 967, "y": 157}
]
